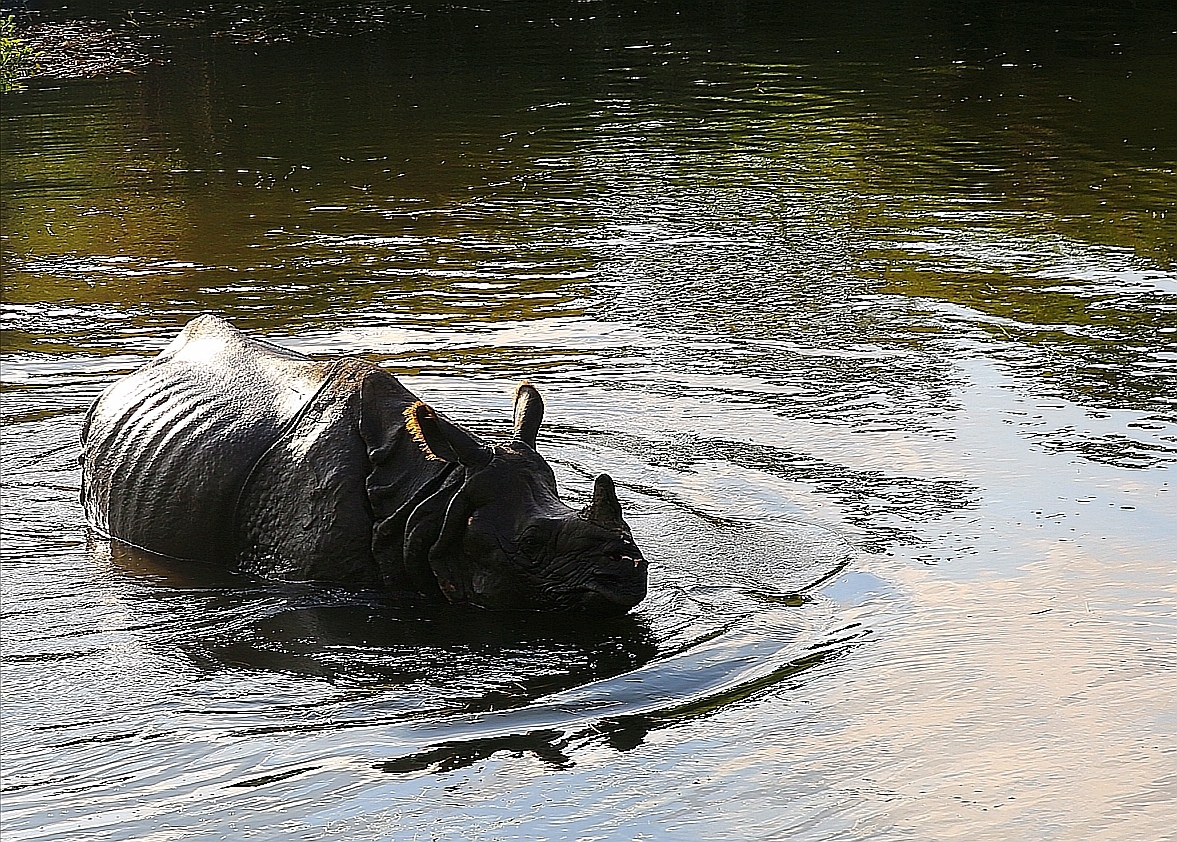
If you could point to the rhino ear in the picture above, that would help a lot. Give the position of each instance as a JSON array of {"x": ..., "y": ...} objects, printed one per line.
[
  {"x": 529, "y": 413},
  {"x": 441, "y": 439}
]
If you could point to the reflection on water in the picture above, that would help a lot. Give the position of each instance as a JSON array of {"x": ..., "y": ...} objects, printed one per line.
[
  {"x": 869, "y": 313},
  {"x": 436, "y": 660}
]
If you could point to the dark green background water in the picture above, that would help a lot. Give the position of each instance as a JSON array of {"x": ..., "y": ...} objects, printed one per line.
[{"x": 871, "y": 310}]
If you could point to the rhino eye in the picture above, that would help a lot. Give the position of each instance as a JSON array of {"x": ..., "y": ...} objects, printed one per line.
[{"x": 533, "y": 541}]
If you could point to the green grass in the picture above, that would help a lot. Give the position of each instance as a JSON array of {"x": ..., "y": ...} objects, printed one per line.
[{"x": 17, "y": 59}]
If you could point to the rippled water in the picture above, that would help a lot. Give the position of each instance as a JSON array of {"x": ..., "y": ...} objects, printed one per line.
[{"x": 871, "y": 313}]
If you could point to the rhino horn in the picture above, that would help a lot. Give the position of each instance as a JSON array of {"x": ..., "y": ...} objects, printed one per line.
[{"x": 605, "y": 509}]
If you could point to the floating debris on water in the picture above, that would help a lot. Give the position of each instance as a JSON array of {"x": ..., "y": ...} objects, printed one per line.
[{"x": 82, "y": 50}]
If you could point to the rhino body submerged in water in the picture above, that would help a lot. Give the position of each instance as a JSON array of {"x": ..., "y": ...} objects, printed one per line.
[{"x": 233, "y": 450}]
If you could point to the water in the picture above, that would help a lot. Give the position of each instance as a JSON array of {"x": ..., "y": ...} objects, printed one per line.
[{"x": 869, "y": 311}]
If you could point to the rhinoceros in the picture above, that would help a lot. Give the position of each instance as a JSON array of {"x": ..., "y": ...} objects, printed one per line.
[{"x": 233, "y": 450}]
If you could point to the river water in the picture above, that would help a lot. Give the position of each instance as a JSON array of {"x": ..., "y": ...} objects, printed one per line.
[{"x": 870, "y": 310}]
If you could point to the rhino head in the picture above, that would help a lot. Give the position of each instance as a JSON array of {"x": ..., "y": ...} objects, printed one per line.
[{"x": 505, "y": 539}]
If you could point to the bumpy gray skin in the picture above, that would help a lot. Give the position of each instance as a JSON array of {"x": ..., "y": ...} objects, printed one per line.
[{"x": 232, "y": 450}]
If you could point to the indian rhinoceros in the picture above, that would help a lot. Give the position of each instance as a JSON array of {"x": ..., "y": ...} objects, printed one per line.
[{"x": 230, "y": 449}]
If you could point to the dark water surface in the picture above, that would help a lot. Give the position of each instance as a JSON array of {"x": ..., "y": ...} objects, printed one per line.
[{"x": 870, "y": 310}]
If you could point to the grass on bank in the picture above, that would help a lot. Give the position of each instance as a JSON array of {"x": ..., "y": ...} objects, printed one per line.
[{"x": 17, "y": 59}]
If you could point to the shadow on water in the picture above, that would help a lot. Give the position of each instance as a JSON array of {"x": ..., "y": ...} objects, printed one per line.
[
  {"x": 377, "y": 642},
  {"x": 432, "y": 688},
  {"x": 621, "y": 733}
]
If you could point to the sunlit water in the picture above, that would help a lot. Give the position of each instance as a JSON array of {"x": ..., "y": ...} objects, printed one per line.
[{"x": 872, "y": 317}]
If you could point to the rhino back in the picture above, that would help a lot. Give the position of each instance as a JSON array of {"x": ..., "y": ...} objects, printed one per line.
[
  {"x": 167, "y": 448},
  {"x": 303, "y": 512},
  {"x": 330, "y": 499}
]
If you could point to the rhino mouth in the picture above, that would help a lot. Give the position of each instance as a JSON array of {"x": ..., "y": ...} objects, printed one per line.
[
  {"x": 624, "y": 557},
  {"x": 618, "y": 582}
]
